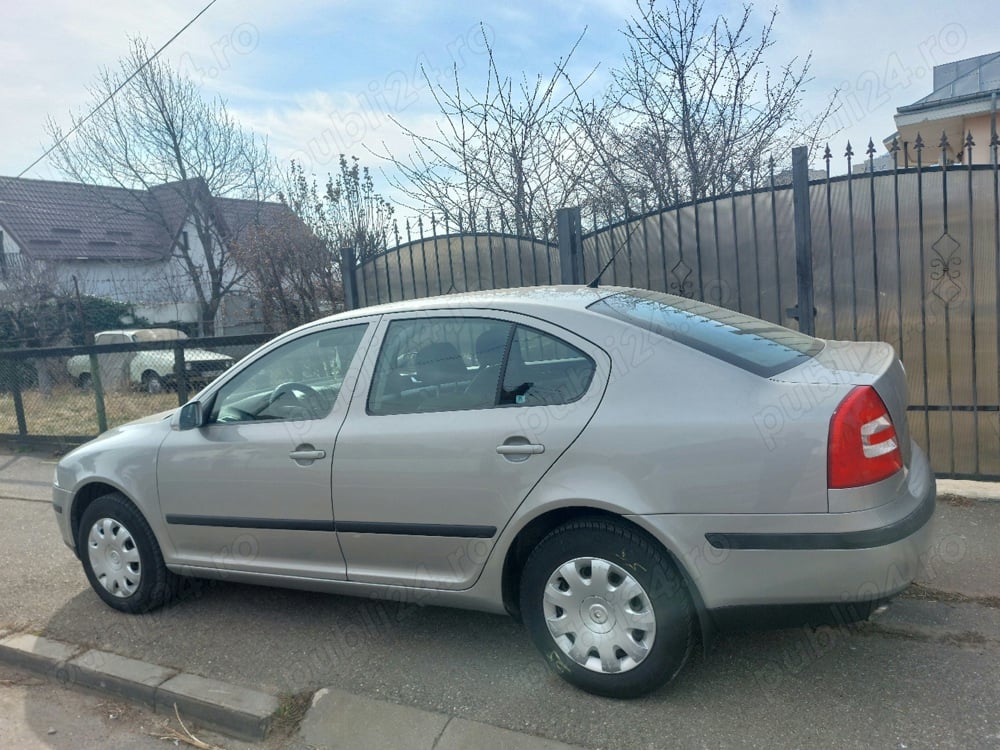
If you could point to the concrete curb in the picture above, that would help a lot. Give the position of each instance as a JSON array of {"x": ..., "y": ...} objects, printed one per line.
[
  {"x": 234, "y": 711},
  {"x": 968, "y": 489},
  {"x": 336, "y": 719}
]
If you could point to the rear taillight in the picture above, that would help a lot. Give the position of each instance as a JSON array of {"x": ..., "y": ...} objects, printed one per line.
[{"x": 863, "y": 445}]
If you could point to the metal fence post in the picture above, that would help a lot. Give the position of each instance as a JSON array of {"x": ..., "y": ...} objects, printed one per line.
[
  {"x": 95, "y": 381},
  {"x": 22, "y": 424},
  {"x": 349, "y": 276},
  {"x": 804, "y": 311},
  {"x": 570, "y": 246},
  {"x": 180, "y": 373}
]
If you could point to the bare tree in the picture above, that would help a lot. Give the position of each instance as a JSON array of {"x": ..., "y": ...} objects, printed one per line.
[
  {"x": 355, "y": 214},
  {"x": 152, "y": 133},
  {"x": 291, "y": 271},
  {"x": 293, "y": 262},
  {"x": 33, "y": 313},
  {"x": 500, "y": 148},
  {"x": 29, "y": 290},
  {"x": 695, "y": 109}
]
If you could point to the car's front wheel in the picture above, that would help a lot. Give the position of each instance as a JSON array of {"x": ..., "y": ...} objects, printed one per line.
[
  {"x": 121, "y": 556},
  {"x": 607, "y": 608}
]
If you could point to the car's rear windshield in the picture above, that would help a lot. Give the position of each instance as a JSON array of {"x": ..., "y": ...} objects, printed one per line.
[
  {"x": 755, "y": 345},
  {"x": 159, "y": 334}
]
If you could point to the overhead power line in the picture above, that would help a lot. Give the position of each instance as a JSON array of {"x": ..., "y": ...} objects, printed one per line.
[{"x": 111, "y": 96}]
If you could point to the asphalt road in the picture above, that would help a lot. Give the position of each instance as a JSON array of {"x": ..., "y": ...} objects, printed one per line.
[{"x": 874, "y": 686}]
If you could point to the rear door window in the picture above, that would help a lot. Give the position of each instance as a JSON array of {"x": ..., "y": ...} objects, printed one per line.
[
  {"x": 434, "y": 364},
  {"x": 543, "y": 370},
  {"x": 755, "y": 345}
]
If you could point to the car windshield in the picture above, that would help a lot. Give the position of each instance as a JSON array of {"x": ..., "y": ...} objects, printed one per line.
[
  {"x": 159, "y": 334},
  {"x": 750, "y": 343}
]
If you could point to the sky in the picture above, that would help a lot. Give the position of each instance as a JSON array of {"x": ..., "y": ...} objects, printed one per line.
[{"x": 321, "y": 77}]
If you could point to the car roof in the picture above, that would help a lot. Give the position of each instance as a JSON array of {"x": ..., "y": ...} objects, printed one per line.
[
  {"x": 130, "y": 331},
  {"x": 519, "y": 299}
]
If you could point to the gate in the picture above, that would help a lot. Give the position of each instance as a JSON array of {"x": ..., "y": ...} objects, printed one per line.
[{"x": 908, "y": 255}]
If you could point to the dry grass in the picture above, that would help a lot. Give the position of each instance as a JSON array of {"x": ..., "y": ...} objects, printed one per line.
[{"x": 72, "y": 411}]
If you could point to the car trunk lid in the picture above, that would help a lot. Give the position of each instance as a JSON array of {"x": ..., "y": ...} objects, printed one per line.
[{"x": 852, "y": 363}]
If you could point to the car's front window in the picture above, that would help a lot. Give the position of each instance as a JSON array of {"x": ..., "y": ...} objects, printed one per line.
[{"x": 299, "y": 380}]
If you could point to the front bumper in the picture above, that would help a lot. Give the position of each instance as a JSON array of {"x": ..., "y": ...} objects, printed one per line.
[
  {"x": 860, "y": 557},
  {"x": 61, "y": 500}
]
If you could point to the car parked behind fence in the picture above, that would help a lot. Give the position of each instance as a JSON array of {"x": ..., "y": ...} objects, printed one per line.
[{"x": 152, "y": 371}]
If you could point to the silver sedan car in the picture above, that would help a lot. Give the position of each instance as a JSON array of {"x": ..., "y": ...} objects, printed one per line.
[{"x": 623, "y": 470}]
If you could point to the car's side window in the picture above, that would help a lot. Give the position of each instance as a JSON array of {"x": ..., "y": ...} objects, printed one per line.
[
  {"x": 299, "y": 380},
  {"x": 431, "y": 364},
  {"x": 543, "y": 370}
]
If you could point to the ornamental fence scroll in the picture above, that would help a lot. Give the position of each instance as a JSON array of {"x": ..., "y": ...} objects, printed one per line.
[{"x": 903, "y": 249}]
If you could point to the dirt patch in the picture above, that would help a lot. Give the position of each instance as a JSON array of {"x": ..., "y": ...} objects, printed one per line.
[
  {"x": 926, "y": 593},
  {"x": 957, "y": 501}
]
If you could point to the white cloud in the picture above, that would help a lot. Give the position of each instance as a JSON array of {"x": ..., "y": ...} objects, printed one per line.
[{"x": 327, "y": 74}]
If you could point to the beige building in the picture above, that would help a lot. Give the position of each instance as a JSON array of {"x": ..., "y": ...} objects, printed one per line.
[{"x": 963, "y": 101}]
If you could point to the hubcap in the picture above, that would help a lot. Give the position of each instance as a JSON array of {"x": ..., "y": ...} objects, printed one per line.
[
  {"x": 599, "y": 615},
  {"x": 114, "y": 557}
]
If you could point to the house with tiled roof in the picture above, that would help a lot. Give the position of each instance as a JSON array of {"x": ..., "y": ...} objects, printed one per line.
[
  {"x": 125, "y": 244},
  {"x": 963, "y": 103}
]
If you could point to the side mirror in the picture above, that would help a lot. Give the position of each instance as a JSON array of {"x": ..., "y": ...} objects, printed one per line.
[{"x": 191, "y": 416}]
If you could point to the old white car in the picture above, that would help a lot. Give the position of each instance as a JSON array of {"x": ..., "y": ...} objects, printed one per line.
[{"x": 153, "y": 371}]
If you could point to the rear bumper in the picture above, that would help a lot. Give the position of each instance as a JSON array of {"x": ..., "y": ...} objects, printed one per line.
[{"x": 811, "y": 558}]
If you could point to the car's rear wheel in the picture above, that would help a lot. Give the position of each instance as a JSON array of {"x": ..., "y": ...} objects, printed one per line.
[
  {"x": 152, "y": 383},
  {"x": 121, "y": 556},
  {"x": 607, "y": 608}
]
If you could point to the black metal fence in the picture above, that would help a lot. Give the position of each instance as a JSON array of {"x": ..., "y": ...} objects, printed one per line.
[
  {"x": 62, "y": 396},
  {"x": 910, "y": 256}
]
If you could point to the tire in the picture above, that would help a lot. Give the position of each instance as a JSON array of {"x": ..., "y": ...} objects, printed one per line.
[
  {"x": 152, "y": 383},
  {"x": 84, "y": 381},
  {"x": 585, "y": 567},
  {"x": 122, "y": 558}
]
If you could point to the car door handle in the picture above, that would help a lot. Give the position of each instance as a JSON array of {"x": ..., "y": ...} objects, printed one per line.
[
  {"x": 307, "y": 455},
  {"x": 520, "y": 449}
]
